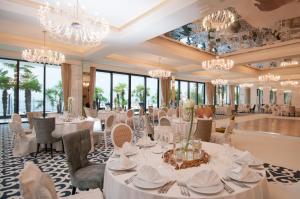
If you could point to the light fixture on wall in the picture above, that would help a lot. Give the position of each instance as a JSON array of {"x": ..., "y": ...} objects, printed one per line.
[
  {"x": 217, "y": 65},
  {"x": 289, "y": 83},
  {"x": 246, "y": 85},
  {"x": 85, "y": 84},
  {"x": 269, "y": 77},
  {"x": 289, "y": 63},
  {"x": 72, "y": 24},
  {"x": 159, "y": 73},
  {"x": 43, "y": 55},
  {"x": 219, "y": 82},
  {"x": 218, "y": 20},
  {"x": 287, "y": 91}
]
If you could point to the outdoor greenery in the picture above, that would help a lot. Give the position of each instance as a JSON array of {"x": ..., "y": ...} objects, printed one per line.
[
  {"x": 98, "y": 97},
  {"x": 4, "y": 85},
  {"x": 55, "y": 96},
  {"x": 138, "y": 92},
  {"x": 120, "y": 100}
]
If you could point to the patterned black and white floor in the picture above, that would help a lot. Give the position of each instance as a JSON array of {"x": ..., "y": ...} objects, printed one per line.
[{"x": 58, "y": 169}]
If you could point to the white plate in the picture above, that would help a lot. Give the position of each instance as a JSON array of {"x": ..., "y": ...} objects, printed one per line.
[
  {"x": 127, "y": 154},
  {"x": 148, "y": 185},
  {"x": 116, "y": 165},
  {"x": 253, "y": 163},
  {"x": 252, "y": 177},
  {"x": 208, "y": 190},
  {"x": 150, "y": 144}
]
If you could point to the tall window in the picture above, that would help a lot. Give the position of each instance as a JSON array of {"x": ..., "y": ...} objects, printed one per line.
[
  {"x": 31, "y": 87},
  {"x": 287, "y": 98},
  {"x": 272, "y": 97},
  {"x": 137, "y": 91},
  {"x": 152, "y": 92},
  {"x": 236, "y": 95},
  {"x": 183, "y": 90},
  {"x": 54, "y": 92},
  {"x": 8, "y": 79},
  {"x": 120, "y": 90},
  {"x": 221, "y": 95},
  {"x": 201, "y": 93},
  {"x": 260, "y": 95},
  {"x": 177, "y": 91},
  {"x": 193, "y": 91},
  {"x": 102, "y": 89}
]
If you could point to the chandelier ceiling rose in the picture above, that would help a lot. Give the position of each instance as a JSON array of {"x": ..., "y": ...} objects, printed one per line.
[
  {"x": 71, "y": 24},
  {"x": 289, "y": 83},
  {"x": 246, "y": 85},
  {"x": 218, "y": 20},
  {"x": 218, "y": 65},
  {"x": 219, "y": 81},
  {"x": 269, "y": 78},
  {"x": 43, "y": 55}
]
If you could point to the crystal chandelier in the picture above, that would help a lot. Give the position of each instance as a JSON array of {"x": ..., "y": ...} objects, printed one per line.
[
  {"x": 246, "y": 85},
  {"x": 72, "y": 24},
  {"x": 43, "y": 55},
  {"x": 218, "y": 20},
  {"x": 219, "y": 82},
  {"x": 217, "y": 65},
  {"x": 289, "y": 63},
  {"x": 159, "y": 73},
  {"x": 269, "y": 77},
  {"x": 289, "y": 83}
]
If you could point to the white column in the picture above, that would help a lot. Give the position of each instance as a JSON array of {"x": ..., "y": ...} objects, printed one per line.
[{"x": 76, "y": 88}]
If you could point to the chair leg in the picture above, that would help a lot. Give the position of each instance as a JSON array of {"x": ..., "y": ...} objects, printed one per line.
[
  {"x": 105, "y": 139},
  {"x": 46, "y": 148},
  {"x": 51, "y": 150},
  {"x": 37, "y": 149},
  {"x": 73, "y": 190},
  {"x": 63, "y": 147}
]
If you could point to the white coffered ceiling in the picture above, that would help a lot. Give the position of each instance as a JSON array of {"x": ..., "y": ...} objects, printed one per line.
[{"x": 134, "y": 43}]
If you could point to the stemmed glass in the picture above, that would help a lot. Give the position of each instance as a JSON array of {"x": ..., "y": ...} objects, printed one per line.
[{"x": 179, "y": 157}]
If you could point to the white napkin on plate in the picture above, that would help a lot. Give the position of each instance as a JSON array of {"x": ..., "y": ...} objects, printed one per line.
[
  {"x": 240, "y": 172},
  {"x": 246, "y": 158},
  {"x": 127, "y": 148},
  {"x": 149, "y": 174},
  {"x": 204, "y": 178},
  {"x": 125, "y": 161}
]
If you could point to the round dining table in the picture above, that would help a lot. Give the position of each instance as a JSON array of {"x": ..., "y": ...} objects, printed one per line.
[{"x": 220, "y": 161}]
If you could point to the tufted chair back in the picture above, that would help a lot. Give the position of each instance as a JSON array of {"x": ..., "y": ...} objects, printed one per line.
[{"x": 43, "y": 128}]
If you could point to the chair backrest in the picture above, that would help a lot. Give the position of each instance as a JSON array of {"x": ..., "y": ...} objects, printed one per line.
[
  {"x": 86, "y": 125},
  {"x": 203, "y": 130},
  {"x": 87, "y": 111},
  {"x": 109, "y": 121},
  {"x": 148, "y": 126},
  {"x": 31, "y": 115},
  {"x": 170, "y": 112},
  {"x": 208, "y": 112},
  {"x": 93, "y": 113},
  {"x": 165, "y": 109},
  {"x": 121, "y": 133},
  {"x": 16, "y": 129},
  {"x": 292, "y": 109},
  {"x": 15, "y": 117},
  {"x": 141, "y": 112},
  {"x": 129, "y": 113},
  {"x": 34, "y": 184},
  {"x": 162, "y": 113},
  {"x": 150, "y": 109},
  {"x": 77, "y": 146},
  {"x": 164, "y": 121},
  {"x": 43, "y": 128}
]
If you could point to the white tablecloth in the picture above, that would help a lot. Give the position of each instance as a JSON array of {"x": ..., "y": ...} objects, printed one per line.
[{"x": 114, "y": 186}]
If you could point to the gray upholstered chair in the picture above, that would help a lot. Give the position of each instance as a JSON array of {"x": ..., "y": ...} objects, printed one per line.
[
  {"x": 43, "y": 128},
  {"x": 203, "y": 130},
  {"x": 84, "y": 174}
]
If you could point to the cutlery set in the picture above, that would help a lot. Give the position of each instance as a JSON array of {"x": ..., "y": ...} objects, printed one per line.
[
  {"x": 183, "y": 189},
  {"x": 227, "y": 187},
  {"x": 240, "y": 184},
  {"x": 165, "y": 188}
]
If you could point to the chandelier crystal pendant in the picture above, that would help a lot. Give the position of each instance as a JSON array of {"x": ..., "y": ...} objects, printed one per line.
[
  {"x": 289, "y": 63},
  {"x": 217, "y": 65},
  {"x": 269, "y": 78},
  {"x": 159, "y": 73},
  {"x": 218, "y": 20},
  {"x": 246, "y": 85},
  {"x": 289, "y": 83},
  {"x": 71, "y": 24},
  {"x": 219, "y": 82},
  {"x": 43, "y": 55}
]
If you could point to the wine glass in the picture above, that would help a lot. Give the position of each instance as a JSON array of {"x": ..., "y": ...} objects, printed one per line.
[{"x": 179, "y": 157}]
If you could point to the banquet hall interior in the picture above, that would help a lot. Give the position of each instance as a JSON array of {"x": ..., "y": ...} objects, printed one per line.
[{"x": 150, "y": 99}]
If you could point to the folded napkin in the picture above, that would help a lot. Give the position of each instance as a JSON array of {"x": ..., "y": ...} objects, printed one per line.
[
  {"x": 149, "y": 174},
  {"x": 125, "y": 161},
  {"x": 127, "y": 148},
  {"x": 205, "y": 178},
  {"x": 240, "y": 172},
  {"x": 246, "y": 158},
  {"x": 144, "y": 141}
]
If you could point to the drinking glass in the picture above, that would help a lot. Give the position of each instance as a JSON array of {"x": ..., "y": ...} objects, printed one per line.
[{"x": 179, "y": 157}]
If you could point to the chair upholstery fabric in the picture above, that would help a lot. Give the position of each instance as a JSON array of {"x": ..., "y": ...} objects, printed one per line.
[
  {"x": 164, "y": 121},
  {"x": 203, "y": 130},
  {"x": 121, "y": 133},
  {"x": 31, "y": 115},
  {"x": 84, "y": 174},
  {"x": 43, "y": 128}
]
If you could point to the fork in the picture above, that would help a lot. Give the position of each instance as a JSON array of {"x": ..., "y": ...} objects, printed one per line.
[
  {"x": 227, "y": 187},
  {"x": 129, "y": 180},
  {"x": 240, "y": 184},
  {"x": 183, "y": 189}
]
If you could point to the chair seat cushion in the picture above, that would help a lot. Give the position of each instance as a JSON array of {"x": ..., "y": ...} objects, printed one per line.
[{"x": 89, "y": 177}]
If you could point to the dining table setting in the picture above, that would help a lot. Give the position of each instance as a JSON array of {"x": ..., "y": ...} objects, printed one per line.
[{"x": 141, "y": 170}]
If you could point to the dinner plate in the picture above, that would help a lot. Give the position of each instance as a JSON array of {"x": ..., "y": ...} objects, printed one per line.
[
  {"x": 150, "y": 144},
  {"x": 254, "y": 163},
  {"x": 117, "y": 166},
  {"x": 252, "y": 177},
  {"x": 148, "y": 185},
  {"x": 130, "y": 153},
  {"x": 207, "y": 190}
]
